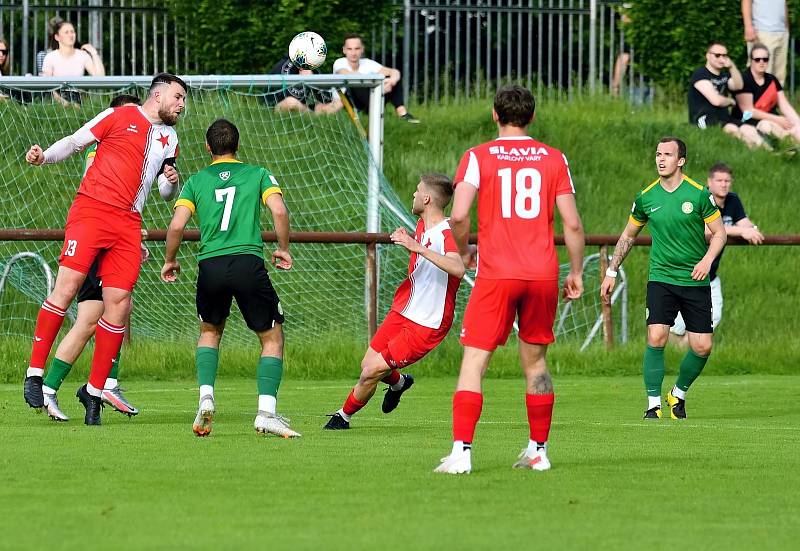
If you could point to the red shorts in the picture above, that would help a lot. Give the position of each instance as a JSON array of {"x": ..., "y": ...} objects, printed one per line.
[
  {"x": 494, "y": 303},
  {"x": 402, "y": 342},
  {"x": 114, "y": 236}
]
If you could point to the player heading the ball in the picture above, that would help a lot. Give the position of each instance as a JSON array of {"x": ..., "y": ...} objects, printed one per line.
[{"x": 136, "y": 145}]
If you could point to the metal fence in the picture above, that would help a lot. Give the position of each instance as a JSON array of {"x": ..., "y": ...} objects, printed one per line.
[
  {"x": 451, "y": 49},
  {"x": 133, "y": 37},
  {"x": 463, "y": 48}
]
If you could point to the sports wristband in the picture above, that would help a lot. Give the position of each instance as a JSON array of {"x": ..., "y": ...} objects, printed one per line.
[{"x": 610, "y": 273}]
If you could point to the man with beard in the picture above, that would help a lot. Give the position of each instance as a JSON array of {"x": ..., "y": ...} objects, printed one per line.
[
  {"x": 135, "y": 146},
  {"x": 423, "y": 307}
]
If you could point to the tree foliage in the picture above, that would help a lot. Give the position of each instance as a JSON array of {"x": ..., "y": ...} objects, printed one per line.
[{"x": 250, "y": 36}]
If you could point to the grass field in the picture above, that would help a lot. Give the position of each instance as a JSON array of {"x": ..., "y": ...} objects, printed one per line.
[{"x": 726, "y": 478}]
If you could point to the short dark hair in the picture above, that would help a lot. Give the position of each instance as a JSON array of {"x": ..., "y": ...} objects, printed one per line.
[
  {"x": 440, "y": 185},
  {"x": 222, "y": 137},
  {"x": 514, "y": 105},
  {"x": 166, "y": 78},
  {"x": 720, "y": 167},
  {"x": 715, "y": 43},
  {"x": 678, "y": 142},
  {"x": 350, "y": 36},
  {"x": 122, "y": 99}
]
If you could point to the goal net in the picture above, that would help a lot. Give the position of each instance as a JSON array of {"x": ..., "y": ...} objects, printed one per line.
[{"x": 322, "y": 162}]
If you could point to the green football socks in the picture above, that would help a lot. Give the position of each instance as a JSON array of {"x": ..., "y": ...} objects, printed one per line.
[
  {"x": 115, "y": 367},
  {"x": 691, "y": 367},
  {"x": 653, "y": 370},
  {"x": 206, "y": 360},
  {"x": 270, "y": 371},
  {"x": 57, "y": 373}
]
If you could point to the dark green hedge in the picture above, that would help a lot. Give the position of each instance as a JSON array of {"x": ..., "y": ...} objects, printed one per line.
[
  {"x": 671, "y": 37},
  {"x": 250, "y": 36}
]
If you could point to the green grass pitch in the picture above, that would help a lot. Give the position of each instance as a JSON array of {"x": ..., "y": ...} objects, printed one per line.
[{"x": 725, "y": 478}]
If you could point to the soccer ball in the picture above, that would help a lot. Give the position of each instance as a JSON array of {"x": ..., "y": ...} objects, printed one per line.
[{"x": 307, "y": 50}]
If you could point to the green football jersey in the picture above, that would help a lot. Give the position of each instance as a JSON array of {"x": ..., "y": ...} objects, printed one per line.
[
  {"x": 677, "y": 222},
  {"x": 227, "y": 197}
]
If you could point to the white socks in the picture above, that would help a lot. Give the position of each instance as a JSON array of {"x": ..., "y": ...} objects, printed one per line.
[
  {"x": 533, "y": 447},
  {"x": 400, "y": 384},
  {"x": 111, "y": 384},
  {"x": 267, "y": 403},
  {"x": 96, "y": 392},
  {"x": 34, "y": 372},
  {"x": 678, "y": 393},
  {"x": 206, "y": 390},
  {"x": 47, "y": 390},
  {"x": 344, "y": 415},
  {"x": 458, "y": 447},
  {"x": 653, "y": 402}
]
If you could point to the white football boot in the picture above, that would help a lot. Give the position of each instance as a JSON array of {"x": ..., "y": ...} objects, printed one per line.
[
  {"x": 456, "y": 463},
  {"x": 204, "y": 417},
  {"x": 538, "y": 461},
  {"x": 52, "y": 409},
  {"x": 272, "y": 423}
]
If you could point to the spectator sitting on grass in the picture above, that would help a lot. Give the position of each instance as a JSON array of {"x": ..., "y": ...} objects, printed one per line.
[
  {"x": 762, "y": 96},
  {"x": 300, "y": 97},
  {"x": 354, "y": 63},
  {"x": 708, "y": 102}
]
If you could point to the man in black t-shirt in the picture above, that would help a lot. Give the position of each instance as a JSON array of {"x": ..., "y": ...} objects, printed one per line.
[
  {"x": 720, "y": 178},
  {"x": 763, "y": 98},
  {"x": 299, "y": 97},
  {"x": 708, "y": 99}
]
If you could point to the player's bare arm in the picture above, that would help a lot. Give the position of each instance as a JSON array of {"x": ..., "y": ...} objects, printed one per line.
[
  {"x": 463, "y": 198},
  {"x": 448, "y": 262},
  {"x": 171, "y": 267},
  {"x": 736, "y": 82},
  {"x": 715, "y": 246},
  {"x": 281, "y": 258},
  {"x": 574, "y": 240},
  {"x": 621, "y": 250}
]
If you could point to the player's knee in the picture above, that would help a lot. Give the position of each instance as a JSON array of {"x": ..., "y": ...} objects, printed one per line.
[
  {"x": 656, "y": 337},
  {"x": 702, "y": 347},
  {"x": 372, "y": 370},
  {"x": 764, "y": 126}
]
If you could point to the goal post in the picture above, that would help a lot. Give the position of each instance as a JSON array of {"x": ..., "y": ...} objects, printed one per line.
[{"x": 332, "y": 182}]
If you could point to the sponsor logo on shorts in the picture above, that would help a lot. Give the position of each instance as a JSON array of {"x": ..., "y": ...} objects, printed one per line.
[
  {"x": 225, "y": 175},
  {"x": 687, "y": 207},
  {"x": 280, "y": 308}
]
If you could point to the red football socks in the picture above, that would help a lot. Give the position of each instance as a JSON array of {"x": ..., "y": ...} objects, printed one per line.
[
  {"x": 392, "y": 378},
  {"x": 351, "y": 405},
  {"x": 466, "y": 412},
  {"x": 48, "y": 323},
  {"x": 107, "y": 342},
  {"x": 540, "y": 415}
]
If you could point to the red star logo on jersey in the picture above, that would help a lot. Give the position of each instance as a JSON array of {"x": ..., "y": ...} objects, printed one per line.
[{"x": 164, "y": 140}]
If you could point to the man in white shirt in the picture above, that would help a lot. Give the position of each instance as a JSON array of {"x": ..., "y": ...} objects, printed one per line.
[{"x": 354, "y": 63}]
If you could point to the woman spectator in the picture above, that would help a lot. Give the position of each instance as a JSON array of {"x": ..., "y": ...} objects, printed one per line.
[
  {"x": 762, "y": 102},
  {"x": 66, "y": 61},
  {"x": 5, "y": 65}
]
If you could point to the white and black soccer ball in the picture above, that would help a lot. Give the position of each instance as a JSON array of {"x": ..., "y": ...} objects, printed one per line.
[{"x": 308, "y": 50}]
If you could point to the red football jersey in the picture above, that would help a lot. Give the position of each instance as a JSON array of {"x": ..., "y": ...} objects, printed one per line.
[
  {"x": 131, "y": 152},
  {"x": 428, "y": 295},
  {"x": 518, "y": 180}
]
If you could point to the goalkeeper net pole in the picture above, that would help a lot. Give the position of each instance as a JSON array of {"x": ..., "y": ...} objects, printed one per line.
[{"x": 331, "y": 178}]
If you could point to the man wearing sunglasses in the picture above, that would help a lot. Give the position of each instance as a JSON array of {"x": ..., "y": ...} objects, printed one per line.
[
  {"x": 708, "y": 99},
  {"x": 762, "y": 96}
]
